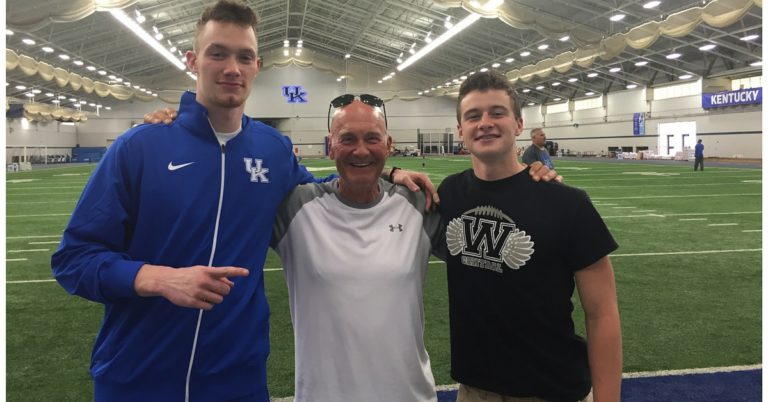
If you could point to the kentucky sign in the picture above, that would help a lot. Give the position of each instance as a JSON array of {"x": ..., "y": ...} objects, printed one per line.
[{"x": 732, "y": 98}]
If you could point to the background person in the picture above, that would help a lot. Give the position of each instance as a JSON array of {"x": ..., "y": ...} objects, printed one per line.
[
  {"x": 512, "y": 268},
  {"x": 537, "y": 151},
  {"x": 698, "y": 154}
]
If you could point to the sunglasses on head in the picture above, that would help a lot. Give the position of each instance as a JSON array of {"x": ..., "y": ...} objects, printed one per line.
[{"x": 346, "y": 99}]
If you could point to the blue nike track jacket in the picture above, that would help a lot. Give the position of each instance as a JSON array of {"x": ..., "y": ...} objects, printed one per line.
[{"x": 172, "y": 195}]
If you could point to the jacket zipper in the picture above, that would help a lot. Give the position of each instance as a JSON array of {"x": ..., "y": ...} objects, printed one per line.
[{"x": 210, "y": 264}]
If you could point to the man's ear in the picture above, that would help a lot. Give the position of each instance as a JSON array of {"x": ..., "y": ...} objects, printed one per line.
[
  {"x": 191, "y": 61},
  {"x": 519, "y": 127}
]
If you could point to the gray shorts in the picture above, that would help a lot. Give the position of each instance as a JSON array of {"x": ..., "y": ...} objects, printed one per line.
[{"x": 472, "y": 394}]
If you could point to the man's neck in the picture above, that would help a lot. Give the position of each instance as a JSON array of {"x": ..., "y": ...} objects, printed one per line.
[
  {"x": 357, "y": 194},
  {"x": 496, "y": 168},
  {"x": 225, "y": 120}
]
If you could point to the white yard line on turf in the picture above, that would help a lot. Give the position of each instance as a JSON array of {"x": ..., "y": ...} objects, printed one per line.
[
  {"x": 27, "y": 251},
  {"x": 73, "y": 200},
  {"x": 36, "y": 215},
  {"x": 745, "y": 250},
  {"x": 752, "y": 230},
  {"x": 692, "y": 219},
  {"x": 723, "y": 224},
  {"x": 645, "y": 197},
  {"x": 31, "y": 237},
  {"x": 15, "y": 259},
  {"x": 686, "y": 214},
  {"x": 44, "y": 242}
]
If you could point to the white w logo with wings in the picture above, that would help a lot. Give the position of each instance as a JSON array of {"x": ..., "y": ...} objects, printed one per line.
[{"x": 487, "y": 233}]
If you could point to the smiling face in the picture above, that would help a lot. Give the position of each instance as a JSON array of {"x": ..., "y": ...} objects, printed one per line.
[
  {"x": 226, "y": 62},
  {"x": 359, "y": 146},
  {"x": 488, "y": 124},
  {"x": 538, "y": 137}
]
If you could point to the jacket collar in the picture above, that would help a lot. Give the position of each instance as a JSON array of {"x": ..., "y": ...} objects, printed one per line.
[{"x": 194, "y": 116}]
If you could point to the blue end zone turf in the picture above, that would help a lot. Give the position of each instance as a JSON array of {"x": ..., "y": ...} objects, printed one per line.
[{"x": 734, "y": 386}]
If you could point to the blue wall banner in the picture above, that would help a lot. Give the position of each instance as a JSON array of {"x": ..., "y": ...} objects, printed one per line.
[
  {"x": 294, "y": 94},
  {"x": 747, "y": 96},
  {"x": 638, "y": 124}
]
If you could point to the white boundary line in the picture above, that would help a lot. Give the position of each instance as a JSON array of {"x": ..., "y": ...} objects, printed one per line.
[
  {"x": 745, "y": 250},
  {"x": 31, "y": 237},
  {"x": 27, "y": 251},
  {"x": 675, "y": 196},
  {"x": 686, "y": 214},
  {"x": 722, "y": 224},
  {"x": 36, "y": 215},
  {"x": 15, "y": 259}
]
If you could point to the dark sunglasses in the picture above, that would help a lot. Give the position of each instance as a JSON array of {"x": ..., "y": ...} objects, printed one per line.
[{"x": 346, "y": 99}]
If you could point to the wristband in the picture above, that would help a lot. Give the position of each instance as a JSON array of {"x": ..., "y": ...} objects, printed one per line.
[{"x": 392, "y": 174}]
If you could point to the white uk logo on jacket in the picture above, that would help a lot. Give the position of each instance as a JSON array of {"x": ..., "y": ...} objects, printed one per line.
[{"x": 256, "y": 170}]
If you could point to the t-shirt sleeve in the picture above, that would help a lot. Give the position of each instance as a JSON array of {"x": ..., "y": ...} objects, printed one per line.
[{"x": 588, "y": 238}]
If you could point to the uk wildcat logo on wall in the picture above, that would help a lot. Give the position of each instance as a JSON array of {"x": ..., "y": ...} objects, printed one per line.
[
  {"x": 487, "y": 238},
  {"x": 294, "y": 94}
]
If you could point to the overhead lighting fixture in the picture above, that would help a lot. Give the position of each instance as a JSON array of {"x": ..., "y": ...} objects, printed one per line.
[
  {"x": 428, "y": 38},
  {"x": 540, "y": 87},
  {"x": 139, "y": 18},
  {"x": 300, "y": 43},
  {"x": 565, "y": 38},
  {"x": 77, "y": 63},
  {"x": 285, "y": 52},
  {"x": 651, "y": 4},
  {"x": 286, "y": 43},
  {"x": 526, "y": 90},
  {"x": 543, "y": 47},
  {"x": 56, "y": 101},
  {"x": 29, "y": 95},
  {"x": 592, "y": 75},
  {"x": 463, "y": 24},
  {"x": 72, "y": 100},
  {"x": 47, "y": 49},
  {"x": 631, "y": 86},
  {"x": 706, "y": 47},
  {"x": 557, "y": 99},
  {"x": 482, "y": 70},
  {"x": 756, "y": 64},
  {"x": 617, "y": 17},
  {"x": 28, "y": 41},
  {"x": 91, "y": 68},
  {"x": 509, "y": 60},
  {"x": 590, "y": 93},
  {"x": 64, "y": 56},
  {"x": 554, "y": 84},
  {"x": 673, "y": 56},
  {"x": 463, "y": 77},
  {"x": 102, "y": 72},
  {"x": 112, "y": 76},
  {"x": 21, "y": 87},
  {"x": 525, "y": 54},
  {"x": 420, "y": 93},
  {"x": 129, "y": 23},
  {"x": 490, "y": 5},
  {"x": 573, "y": 79},
  {"x": 641, "y": 63},
  {"x": 531, "y": 104},
  {"x": 346, "y": 56},
  {"x": 61, "y": 97},
  {"x": 8, "y": 32},
  {"x": 685, "y": 76},
  {"x": 495, "y": 65},
  {"x": 108, "y": 107},
  {"x": 614, "y": 70},
  {"x": 448, "y": 24},
  {"x": 749, "y": 37},
  {"x": 36, "y": 91}
]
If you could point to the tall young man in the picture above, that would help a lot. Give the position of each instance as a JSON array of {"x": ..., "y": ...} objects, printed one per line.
[
  {"x": 512, "y": 269},
  {"x": 172, "y": 230}
]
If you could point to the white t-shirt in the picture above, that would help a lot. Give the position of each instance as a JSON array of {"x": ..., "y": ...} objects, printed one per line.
[{"x": 355, "y": 276}]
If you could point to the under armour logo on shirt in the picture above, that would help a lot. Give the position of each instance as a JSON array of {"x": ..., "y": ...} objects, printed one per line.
[{"x": 399, "y": 227}]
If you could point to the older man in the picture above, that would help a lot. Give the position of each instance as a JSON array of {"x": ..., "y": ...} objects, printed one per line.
[{"x": 537, "y": 152}]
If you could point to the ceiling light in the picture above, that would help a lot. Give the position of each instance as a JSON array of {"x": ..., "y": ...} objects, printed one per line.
[
  {"x": 617, "y": 17},
  {"x": 127, "y": 83},
  {"x": 706, "y": 47},
  {"x": 338, "y": 79},
  {"x": 428, "y": 38},
  {"x": 8, "y": 32},
  {"x": 173, "y": 49},
  {"x": 455, "y": 81},
  {"x": 756, "y": 64},
  {"x": 29, "y": 95},
  {"x": 448, "y": 24},
  {"x": 56, "y": 101},
  {"x": 92, "y": 104},
  {"x": 91, "y": 68},
  {"x": 525, "y": 54},
  {"x": 121, "y": 16},
  {"x": 286, "y": 43},
  {"x": 557, "y": 99},
  {"x": 159, "y": 36},
  {"x": 64, "y": 56},
  {"x": 47, "y": 49},
  {"x": 543, "y": 47},
  {"x": 590, "y": 93},
  {"x": 651, "y": 4},
  {"x": 750, "y": 37},
  {"x": 285, "y": 52},
  {"x": 61, "y": 97},
  {"x": 482, "y": 70},
  {"x": 509, "y": 60},
  {"x": 565, "y": 38},
  {"x": 631, "y": 86},
  {"x": 531, "y": 104},
  {"x": 112, "y": 77},
  {"x": 21, "y": 87},
  {"x": 592, "y": 75},
  {"x": 540, "y": 87},
  {"x": 140, "y": 19},
  {"x": 495, "y": 65},
  {"x": 463, "y": 24},
  {"x": 641, "y": 63},
  {"x": 554, "y": 84},
  {"x": 82, "y": 102},
  {"x": 463, "y": 77},
  {"x": 72, "y": 100},
  {"x": 615, "y": 70},
  {"x": 28, "y": 41},
  {"x": 380, "y": 81},
  {"x": 36, "y": 91},
  {"x": 685, "y": 76},
  {"x": 420, "y": 93},
  {"x": 526, "y": 90},
  {"x": 102, "y": 72},
  {"x": 447, "y": 84},
  {"x": 673, "y": 56},
  {"x": 77, "y": 63},
  {"x": 574, "y": 79},
  {"x": 346, "y": 56},
  {"x": 108, "y": 108},
  {"x": 399, "y": 60},
  {"x": 118, "y": 79}
]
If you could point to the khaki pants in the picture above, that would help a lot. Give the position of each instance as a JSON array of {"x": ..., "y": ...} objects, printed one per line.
[{"x": 471, "y": 394}]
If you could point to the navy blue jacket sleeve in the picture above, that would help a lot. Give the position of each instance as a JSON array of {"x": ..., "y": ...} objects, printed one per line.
[{"x": 91, "y": 261}]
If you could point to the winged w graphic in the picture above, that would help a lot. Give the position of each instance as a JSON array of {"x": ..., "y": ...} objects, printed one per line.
[{"x": 517, "y": 248}]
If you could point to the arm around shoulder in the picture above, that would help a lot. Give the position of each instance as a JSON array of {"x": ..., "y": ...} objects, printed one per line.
[{"x": 597, "y": 291}]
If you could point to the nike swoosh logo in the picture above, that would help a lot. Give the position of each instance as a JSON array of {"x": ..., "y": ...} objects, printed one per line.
[{"x": 173, "y": 167}]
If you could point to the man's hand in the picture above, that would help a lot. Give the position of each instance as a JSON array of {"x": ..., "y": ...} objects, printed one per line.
[
  {"x": 415, "y": 181},
  {"x": 195, "y": 287},
  {"x": 540, "y": 171},
  {"x": 166, "y": 116}
]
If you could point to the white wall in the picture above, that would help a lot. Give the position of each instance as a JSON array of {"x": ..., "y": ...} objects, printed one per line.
[
  {"x": 725, "y": 132},
  {"x": 40, "y": 138}
]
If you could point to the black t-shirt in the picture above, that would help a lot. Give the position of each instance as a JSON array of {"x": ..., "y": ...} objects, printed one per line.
[{"x": 513, "y": 246}]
